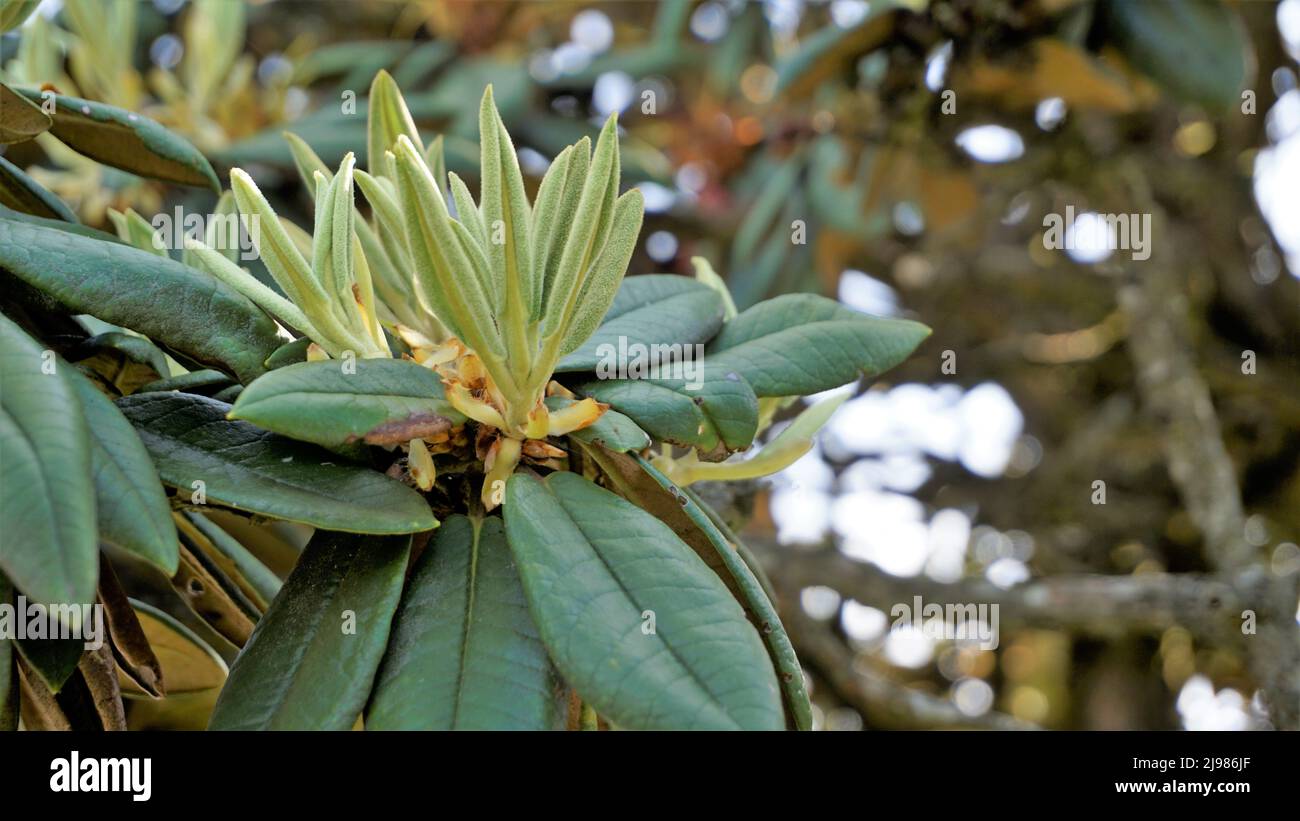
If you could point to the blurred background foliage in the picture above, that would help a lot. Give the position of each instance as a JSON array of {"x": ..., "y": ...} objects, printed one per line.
[{"x": 901, "y": 156}]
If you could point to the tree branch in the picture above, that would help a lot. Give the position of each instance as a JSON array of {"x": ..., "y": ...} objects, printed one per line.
[
  {"x": 883, "y": 703},
  {"x": 1090, "y": 604}
]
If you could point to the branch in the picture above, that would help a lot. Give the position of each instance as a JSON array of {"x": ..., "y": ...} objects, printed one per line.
[
  {"x": 883, "y": 703},
  {"x": 1174, "y": 393},
  {"x": 1161, "y": 348},
  {"x": 1090, "y": 604}
]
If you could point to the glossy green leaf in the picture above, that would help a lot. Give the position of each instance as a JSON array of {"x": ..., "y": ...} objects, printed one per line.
[
  {"x": 379, "y": 401},
  {"x": 612, "y": 430},
  {"x": 634, "y": 619},
  {"x": 22, "y": 193},
  {"x": 288, "y": 354},
  {"x": 465, "y": 653},
  {"x": 310, "y": 662},
  {"x": 203, "y": 383},
  {"x": 58, "y": 225},
  {"x": 47, "y": 498},
  {"x": 749, "y": 590},
  {"x": 651, "y": 309},
  {"x": 714, "y": 406},
  {"x": 53, "y": 659},
  {"x": 799, "y": 344},
  {"x": 1197, "y": 49},
  {"x": 126, "y": 140},
  {"x": 635, "y": 479},
  {"x": 246, "y": 468},
  {"x": 130, "y": 503},
  {"x": 126, "y": 350},
  {"x": 184, "y": 309}
]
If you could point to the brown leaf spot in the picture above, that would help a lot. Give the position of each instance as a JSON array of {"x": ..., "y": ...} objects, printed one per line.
[{"x": 404, "y": 430}]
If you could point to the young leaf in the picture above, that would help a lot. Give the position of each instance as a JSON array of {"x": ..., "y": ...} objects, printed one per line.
[
  {"x": 557, "y": 200},
  {"x": 612, "y": 430},
  {"x": 182, "y": 308},
  {"x": 653, "y": 309},
  {"x": 388, "y": 213},
  {"x": 243, "y": 467},
  {"x": 798, "y": 344},
  {"x": 126, "y": 140},
  {"x": 276, "y": 248},
  {"x": 506, "y": 216},
  {"x": 333, "y": 262},
  {"x": 705, "y": 274},
  {"x": 635, "y": 621},
  {"x": 784, "y": 450},
  {"x": 135, "y": 231},
  {"x": 582, "y": 243},
  {"x": 217, "y": 264},
  {"x": 306, "y": 160},
  {"x": 388, "y": 118},
  {"x": 311, "y": 661},
  {"x": 601, "y": 287},
  {"x": 457, "y": 296},
  {"x": 213, "y": 37},
  {"x": 386, "y": 401},
  {"x": 464, "y": 653},
  {"x": 435, "y": 157},
  {"x": 47, "y": 498},
  {"x": 467, "y": 212},
  {"x": 14, "y": 12}
]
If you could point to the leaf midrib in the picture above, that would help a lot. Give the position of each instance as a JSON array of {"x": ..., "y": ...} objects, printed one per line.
[
  {"x": 466, "y": 628},
  {"x": 672, "y": 651}
]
